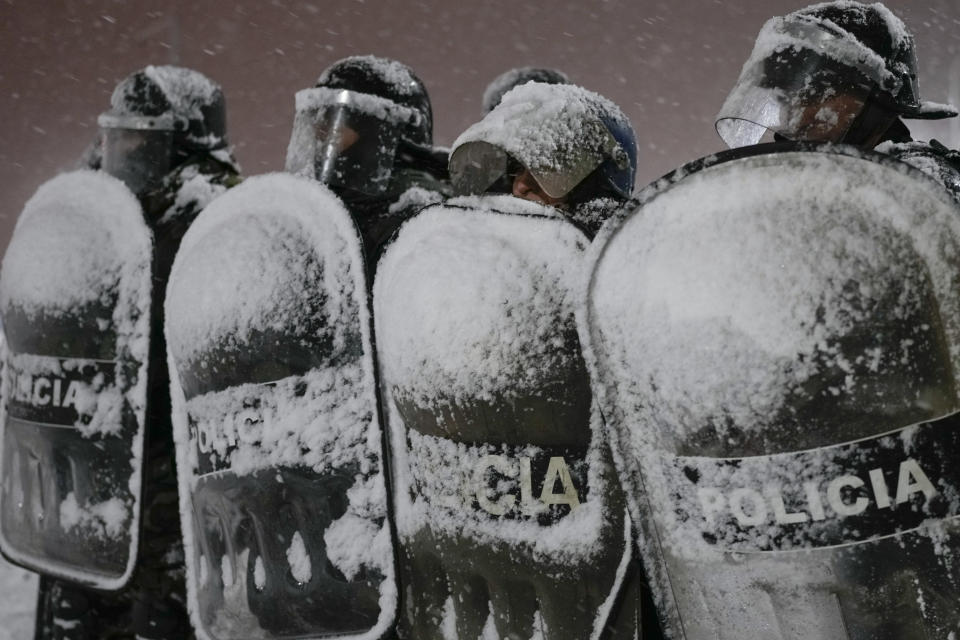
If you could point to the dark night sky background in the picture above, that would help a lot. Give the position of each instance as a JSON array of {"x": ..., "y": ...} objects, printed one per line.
[{"x": 669, "y": 65}]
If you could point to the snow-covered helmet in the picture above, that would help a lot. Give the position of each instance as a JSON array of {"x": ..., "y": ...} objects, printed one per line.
[
  {"x": 837, "y": 71},
  {"x": 187, "y": 101},
  {"x": 387, "y": 79},
  {"x": 158, "y": 115},
  {"x": 511, "y": 78},
  {"x": 349, "y": 127},
  {"x": 566, "y": 136}
]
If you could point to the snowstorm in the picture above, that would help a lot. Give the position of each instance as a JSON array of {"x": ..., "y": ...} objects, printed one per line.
[{"x": 411, "y": 343}]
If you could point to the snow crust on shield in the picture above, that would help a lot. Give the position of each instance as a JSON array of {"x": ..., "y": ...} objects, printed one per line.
[
  {"x": 511, "y": 78},
  {"x": 54, "y": 263},
  {"x": 436, "y": 340},
  {"x": 444, "y": 326},
  {"x": 690, "y": 266},
  {"x": 254, "y": 288},
  {"x": 258, "y": 246},
  {"x": 81, "y": 236}
]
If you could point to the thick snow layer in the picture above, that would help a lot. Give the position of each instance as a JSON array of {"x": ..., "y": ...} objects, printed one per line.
[
  {"x": 285, "y": 429},
  {"x": 90, "y": 257},
  {"x": 548, "y": 127},
  {"x": 448, "y": 329},
  {"x": 299, "y": 559},
  {"x": 38, "y": 381},
  {"x": 105, "y": 519},
  {"x": 187, "y": 90},
  {"x": 515, "y": 77},
  {"x": 737, "y": 336},
  {"x": 279, "y": 254},
  {"x": 781, "y": 33},
  {"x": 740, "y": 330},
  {"x": 262, "y": 266},
  {"x": 414, "y": 198},
  {"x": 768, "y": 95},
  {"x": 81, "y": 240}
]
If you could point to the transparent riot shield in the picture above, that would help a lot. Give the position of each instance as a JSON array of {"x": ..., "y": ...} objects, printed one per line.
[
  {"x": 510, "y": 520},
  {"x": 775, "y": 340},
  {"x": 75, "y": 298},
  {"x": 279, "y": 447}
]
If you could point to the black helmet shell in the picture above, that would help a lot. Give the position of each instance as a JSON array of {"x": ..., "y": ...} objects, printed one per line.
[
  {"x": 195, "y": 103},
  {"x": 386, "y": 79}
]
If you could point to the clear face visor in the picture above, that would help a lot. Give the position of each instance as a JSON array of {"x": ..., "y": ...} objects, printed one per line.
[
  {"x": 137, "y": 155},
  {"x": 801, "y": 82},
  {"x": 476, "y": 166},
  {"x": 345, "y": 139}
]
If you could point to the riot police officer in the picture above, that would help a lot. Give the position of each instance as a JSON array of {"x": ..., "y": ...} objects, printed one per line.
[
  {"x": 841, "y": 72},
  {"x": 556, "y": 144},
  {"x": 165, "y": 138},
  {"x": 547, "y": 155},
  {"x": 366, "y": 130}
]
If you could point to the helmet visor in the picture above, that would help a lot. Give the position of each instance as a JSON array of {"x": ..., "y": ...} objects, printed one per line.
[
  {"x": 475, "y": 166},
  {"x": 558, "y": 180},
  {"x": 802, "y": 82},
  {"x": 139, "y": 157},
  {"x": 346, "y": 139}
]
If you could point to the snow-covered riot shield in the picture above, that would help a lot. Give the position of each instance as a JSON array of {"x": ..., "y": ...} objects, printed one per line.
[
  {"x": 75, "y": 298},
  {"x": 510, "y": 520},
  {"x": 279, "y": 446},
  {"x": 776, "y": 344}
]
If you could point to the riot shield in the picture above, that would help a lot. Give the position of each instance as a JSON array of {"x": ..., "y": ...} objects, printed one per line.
[
  {"x": 775, "y": 340},
  {"x": 510, "y": 520},
  {"x": 75, "y": 298},
  {"x": 279, "y": 447}
]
